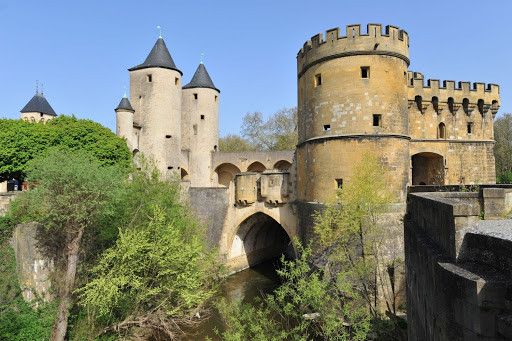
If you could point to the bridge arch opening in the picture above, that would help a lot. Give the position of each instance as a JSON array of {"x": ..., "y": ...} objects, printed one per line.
[
  {"x": 282, "y": 165},
  {"x": 259, "y": 238},
  {"x": 427, "y": 169},
  {"x": 226, "y": 173},
  {"x": 256, "y": 166}
]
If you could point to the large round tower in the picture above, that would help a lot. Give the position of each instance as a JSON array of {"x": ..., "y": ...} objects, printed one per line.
[
  {"x": 155, "y": 90},
  {"x": 200, "y": 126},
  {"x": 352, "y": 98}
]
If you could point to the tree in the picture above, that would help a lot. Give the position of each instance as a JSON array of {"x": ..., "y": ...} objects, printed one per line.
[
  {"x": 279, "y": 132},
  {"x": 307, "y": 306},
  {"x": 160, "y": 273},
  {"x": 73, "y": 195},
  {"x": 503, "y": 148},
  {"x": 351, "y": 232},
  {"x": 22, "y": 141},
  {"x": 234, "y": 143}
]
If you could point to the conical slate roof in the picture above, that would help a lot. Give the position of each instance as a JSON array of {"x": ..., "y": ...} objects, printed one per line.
[
  {"x": 158, "y": 57},
  {"x": 39, "y": 104},
  {"x": 125, "y": 105},
  {"x": 201, "y": 79}
]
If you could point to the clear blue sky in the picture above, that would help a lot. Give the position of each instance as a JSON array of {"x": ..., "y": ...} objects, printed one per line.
[{"x": 80, "y": 50}]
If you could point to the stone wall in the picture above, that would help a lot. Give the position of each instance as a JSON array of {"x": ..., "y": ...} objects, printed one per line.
[
  {"x": 5, "y": 199},
  {"x": 458, "y": 269}
]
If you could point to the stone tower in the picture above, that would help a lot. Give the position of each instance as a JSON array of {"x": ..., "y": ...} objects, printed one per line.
[
  {"x": 124, "y": 122},
  {"x": 352, "y": 98},
  {"x": 37, "y": 109},
  {"x": 200, "y": 126},
  {"x": 155, "y": 90}
]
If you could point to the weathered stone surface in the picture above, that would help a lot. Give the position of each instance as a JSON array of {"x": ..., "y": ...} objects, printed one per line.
[{"x": 34, "y": 270}]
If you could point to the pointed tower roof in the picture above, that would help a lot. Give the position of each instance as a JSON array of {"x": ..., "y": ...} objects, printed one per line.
[
  {"x": 201, "y": 79},
  {"x": 39, "y": 104},
  {"x": 158, "y": 57},
  {"x": 124, "y": 105}
]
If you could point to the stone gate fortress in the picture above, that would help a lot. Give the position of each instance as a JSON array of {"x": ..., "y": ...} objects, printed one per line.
[{"x": 355, "y": 95}]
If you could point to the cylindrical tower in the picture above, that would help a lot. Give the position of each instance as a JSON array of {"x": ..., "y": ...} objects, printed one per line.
[
  {"x": 155, "y": 90},
  {"x": 200, "y": 126},
  {"x": 352, "y": 99},
  {"x": 124, "y": 122}
]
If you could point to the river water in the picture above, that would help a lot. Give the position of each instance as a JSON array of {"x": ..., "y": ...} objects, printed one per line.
[{"x": 245, "y": 285}]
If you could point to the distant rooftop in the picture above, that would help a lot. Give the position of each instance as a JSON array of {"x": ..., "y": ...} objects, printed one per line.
[{"x": 39, "y": 104}]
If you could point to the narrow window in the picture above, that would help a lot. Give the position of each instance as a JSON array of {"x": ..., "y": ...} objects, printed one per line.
[
  {"x": 215, "y": 98},
  {"x": 365, "y": 72},
  {"x": 377, "y": 120},
  {"x": 441, "y": 131},
  {"x": 215, "y": 148},
  {"x": 318, "y": 80},
  {"x": 327, "y": 127},
  {"x": 195, "y": 129},
  {"x": 150, "y": 78},
  {"x": 176, "y": 81},
  {"x": 202, "y": 117},
  {"x": 168, "y": 136},
  {"x": 170, "y": 167},
  {"x": 470, "y": 127},
  {"x": 339, "y": 183},
  {"x": 451, "y": 103},
  {"x": 195, "y": 96}
]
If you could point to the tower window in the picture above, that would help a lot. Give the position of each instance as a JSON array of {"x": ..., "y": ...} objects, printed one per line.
[
  {"x": 470, "y": 127},
  {"x": 318, "y": 80},
  {"x": 339, "y": 183},
  {"x": 365, "y": 72},
  {"x": 441, "y": 131},
  {"x": 195, "y": 96},
  {"x": 327, "y": 127},
  {"x": 150, "y": 78},
  {"x": 195, "y": 129},
  {"x": 168, "y": 136},
  {"x": 170, "y": 167},
  {"x": 202, "y": 117},
  {"x": 377, "y": 120},
  {"x": 176, "y": 81},
  {"x": 215, "y": 148}
]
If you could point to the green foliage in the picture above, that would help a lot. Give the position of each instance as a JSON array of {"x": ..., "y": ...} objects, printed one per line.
[
  {"x": 350, "y": 231},
  {"x": 307, "y": 306},
  {"x": 159, "y": 273},
  {"x": 74, "y": 191},
  {"x": 22, "y": 141},
  {"x": 18, "y": 320},
  {"x": 234, "y": 143},
  {"x": 504, "y": 178},
  {"x": 503, "y": 148}
]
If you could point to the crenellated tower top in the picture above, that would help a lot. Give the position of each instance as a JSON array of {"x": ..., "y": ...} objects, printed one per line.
[{"x": 392, "y": 42}]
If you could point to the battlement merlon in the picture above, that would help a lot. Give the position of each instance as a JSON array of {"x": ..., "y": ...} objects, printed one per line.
[
  {"x": 476, "y": 93},
  {"x": 393, "y": 41}
]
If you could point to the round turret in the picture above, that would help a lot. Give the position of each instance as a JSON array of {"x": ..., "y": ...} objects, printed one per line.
[
  {"x": 352, "y": 98},
  {"x": 200, "y": 125},
  {"x": 37, "y": 109},
  {"x": 124, "y": 121},
  {"x": 155, "y": 90}
]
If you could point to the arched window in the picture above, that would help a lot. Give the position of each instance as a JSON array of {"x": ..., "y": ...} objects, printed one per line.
[
  {"x": 465, "y": 105},
  {"x": 435, "y": 104},
  {"x": 419, "y": 103},
  {"x": 451, "y": 106},
  {"x": 441, "y": 131}
]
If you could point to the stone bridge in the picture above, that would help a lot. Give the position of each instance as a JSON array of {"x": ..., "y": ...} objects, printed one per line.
[{"x": 249, "y": 214}]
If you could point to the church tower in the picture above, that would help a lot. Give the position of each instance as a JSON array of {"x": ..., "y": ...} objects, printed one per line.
[
  {"x": 155, "y": 90},
  {"x": 200, "y": 125}
]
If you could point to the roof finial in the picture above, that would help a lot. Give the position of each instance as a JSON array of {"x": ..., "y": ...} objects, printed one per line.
[
  {"x": 42, "y": 89},
  {"x": 202, "y": 58},
  {"x": 37, "y": 87},
  {"x": 159, "y": 31}
]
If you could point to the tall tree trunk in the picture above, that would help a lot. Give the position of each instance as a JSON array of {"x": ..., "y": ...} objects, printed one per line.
[{"x": 60, "y": 325}]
